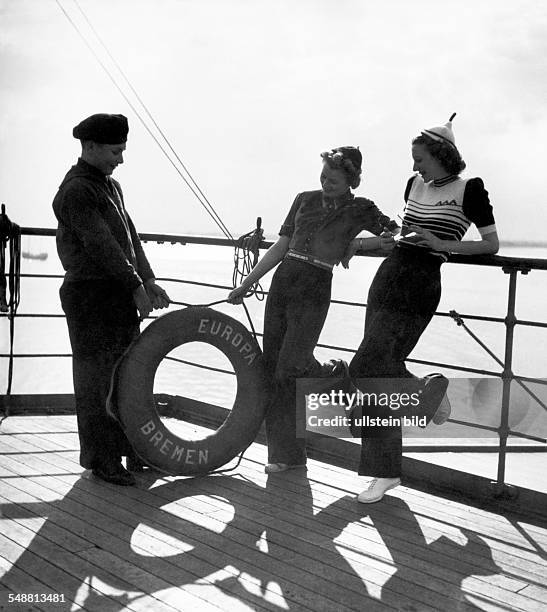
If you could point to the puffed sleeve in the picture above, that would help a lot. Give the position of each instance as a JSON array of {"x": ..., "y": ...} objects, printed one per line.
[
  {"x": 476, "y": 205},
  {"x": 408, "y": 187},
  {"x": 373, "y": 219},
  {"x": 287, "y": 229}
]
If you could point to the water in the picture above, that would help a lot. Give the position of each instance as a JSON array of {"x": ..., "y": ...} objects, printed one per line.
[{"x": 466, "y": 289}]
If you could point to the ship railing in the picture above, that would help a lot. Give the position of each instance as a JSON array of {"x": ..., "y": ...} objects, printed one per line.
[{"x": 511, "y": 266}]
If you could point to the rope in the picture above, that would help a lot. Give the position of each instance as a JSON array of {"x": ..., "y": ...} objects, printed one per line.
[
  {"x": 10, "y": 236},
  {"x": 188, "y": 305},
  {"x": 204, "y": 202},
  {"x": 458, "y": 319},
  {"x": 248, "y": 245},
  {"x": 240, "y": 458},
  {"x": 230, "y": 469}
]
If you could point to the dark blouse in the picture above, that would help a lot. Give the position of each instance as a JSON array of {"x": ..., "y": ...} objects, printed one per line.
[{"x": 325, "y": 231}]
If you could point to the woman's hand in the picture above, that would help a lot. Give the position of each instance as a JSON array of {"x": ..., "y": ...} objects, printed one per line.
[
  {"x": 383, "y": 244},
  {"x": 387, "y": 242},
  {"x": 425, "y": 238},
  {"x": 236, "y": 295}
]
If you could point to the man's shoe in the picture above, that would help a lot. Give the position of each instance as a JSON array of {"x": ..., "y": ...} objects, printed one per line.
[
  {"x": 335, "y": 373},
  {"x": 432, "y": 394},
  {"x": 337, "y": 368},
  {"x": 273, "y": 468},
  {"x": 115, "y": 474},
  {"x": 443, "y": 412},
  {"x": 135, "y": 464},
  {"x": 376, "y": 489}
]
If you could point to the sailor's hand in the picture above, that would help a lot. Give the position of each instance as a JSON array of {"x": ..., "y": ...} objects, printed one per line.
[
  {"x": 236, "y": 295},
  {"x": 156, "y": 294},
  {"x": 142, "y": 302},
  {"x": 353, "y": 247},
  {"x": 425, "y": 238}
]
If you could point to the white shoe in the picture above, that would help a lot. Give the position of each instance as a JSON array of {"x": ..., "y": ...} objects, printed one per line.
[
  {"x": 443, "y": 411},
  {"x": 376, "y": 489}
]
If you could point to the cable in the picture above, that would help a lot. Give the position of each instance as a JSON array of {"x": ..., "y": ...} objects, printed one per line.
[
  {"x": 120, "y": 70},
  {"x": 247, "y": 244},
  {"x": 208, "y": 207}
]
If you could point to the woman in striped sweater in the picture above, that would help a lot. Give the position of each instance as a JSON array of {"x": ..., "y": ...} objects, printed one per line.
[{"x": 403, "y": 297}]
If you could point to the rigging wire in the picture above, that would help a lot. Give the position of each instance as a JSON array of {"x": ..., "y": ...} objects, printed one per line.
[
  {"x": 206, "y": 205},
  {"x": 150, "y": 116}
]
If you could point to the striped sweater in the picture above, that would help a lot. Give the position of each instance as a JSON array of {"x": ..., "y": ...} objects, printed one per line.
[{"x": 447, "y": 207}]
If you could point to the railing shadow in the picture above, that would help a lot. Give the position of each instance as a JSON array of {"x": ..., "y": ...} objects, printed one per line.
[{"x": 303, "y": 567}]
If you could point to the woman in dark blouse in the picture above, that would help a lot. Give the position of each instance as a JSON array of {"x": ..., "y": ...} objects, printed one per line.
[{"x": 312, "y": 240}]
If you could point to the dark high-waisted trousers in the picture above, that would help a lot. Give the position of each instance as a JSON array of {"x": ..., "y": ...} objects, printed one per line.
[
  {"x": 102, "y": 322},
  {"x": 402, "y": 300},
  {"x": 297, "y": 305}
]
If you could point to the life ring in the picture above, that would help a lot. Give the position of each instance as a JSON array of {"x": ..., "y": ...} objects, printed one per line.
[{"x": 134, "y": 400}]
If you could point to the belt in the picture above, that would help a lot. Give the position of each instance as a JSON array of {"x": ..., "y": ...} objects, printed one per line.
[{"x": 309, "y": 259}]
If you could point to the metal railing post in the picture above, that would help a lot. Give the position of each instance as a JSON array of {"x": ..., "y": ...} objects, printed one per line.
[{"x": 507, "y": 376}]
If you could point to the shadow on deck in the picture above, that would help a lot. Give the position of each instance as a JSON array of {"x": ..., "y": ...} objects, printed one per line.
[{"x": 247, "y": 541}]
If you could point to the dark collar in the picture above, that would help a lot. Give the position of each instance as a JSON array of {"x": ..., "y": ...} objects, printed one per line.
[
  {"x": 87, "y": 167},
  {"x": 445, "y": 180},
  {"x": 342, "y": 200}
]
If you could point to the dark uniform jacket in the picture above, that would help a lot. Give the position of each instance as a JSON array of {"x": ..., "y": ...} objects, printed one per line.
[{"x": 96, "y": 239}]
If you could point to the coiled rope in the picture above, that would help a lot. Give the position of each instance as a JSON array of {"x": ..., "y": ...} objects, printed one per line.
[{"x": 10, "y": 241}]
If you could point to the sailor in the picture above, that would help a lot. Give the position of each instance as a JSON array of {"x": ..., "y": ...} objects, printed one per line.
[{"x": 108, "y": 286}]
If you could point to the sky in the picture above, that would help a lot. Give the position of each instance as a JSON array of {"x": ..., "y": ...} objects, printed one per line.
[{"x": 250, "y": 92}]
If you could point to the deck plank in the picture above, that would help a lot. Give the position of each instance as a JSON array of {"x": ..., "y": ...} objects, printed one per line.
[
  {"x": 110, "y": 492},
  {"x": 472, "y": 513},
  {"x": 101, "y": 529},
  {"x": 246, "y": 541},
  {"x": 95, "y": 508},
  {"x": 323, "y": 569},
  {"x": 17, "y": 581}
]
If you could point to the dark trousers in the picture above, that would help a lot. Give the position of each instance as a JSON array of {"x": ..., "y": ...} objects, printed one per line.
[
  {"x": 402, "y": 300},
  {"x": 296, "y": 309},
  {"x": 102, "y": 322}
]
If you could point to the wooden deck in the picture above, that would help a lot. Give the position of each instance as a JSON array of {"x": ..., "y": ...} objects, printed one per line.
[{"x": 245, "y": 541}]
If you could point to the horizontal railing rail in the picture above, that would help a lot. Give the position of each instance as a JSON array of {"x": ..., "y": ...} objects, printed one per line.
[
  {"x": 499, "y": 261},
  {"x": 512, "y": 266}
]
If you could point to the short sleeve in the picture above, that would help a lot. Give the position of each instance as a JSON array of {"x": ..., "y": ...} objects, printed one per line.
[
  {"x": 372, "y": 219},
  {"x": 287, "y": 229},
  {"x": 476, "y": 204}
]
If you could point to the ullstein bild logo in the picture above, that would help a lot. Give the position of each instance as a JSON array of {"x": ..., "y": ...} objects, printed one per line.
[{"x": 314, "y": 421}]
